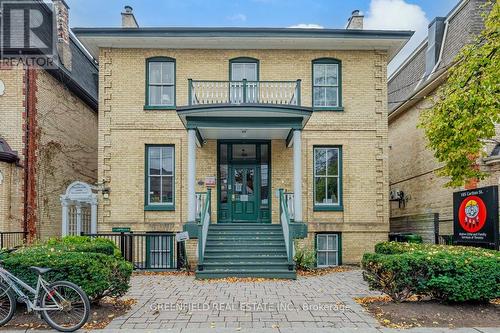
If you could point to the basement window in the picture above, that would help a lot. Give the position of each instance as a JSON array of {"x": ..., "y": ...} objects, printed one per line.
[{"x": 327, "y": 250}]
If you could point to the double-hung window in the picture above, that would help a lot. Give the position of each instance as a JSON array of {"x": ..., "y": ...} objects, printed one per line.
[
  {"x": 159, "y": 177},
  {"x": 327, "y": 250},
  {"x": 160, "y": 90},
  {"x": 327, "y": 84},
  {"x": 327, "y": 178}
]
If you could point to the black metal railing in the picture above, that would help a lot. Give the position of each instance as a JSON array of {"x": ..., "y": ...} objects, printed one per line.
[
  {"x": 146, "y": 251},
  {"x": 11, "y": 239}
]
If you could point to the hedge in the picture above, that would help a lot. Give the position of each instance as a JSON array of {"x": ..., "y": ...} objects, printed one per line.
[
  {"x": 92, "y": 264},
  {"x": 447, "y": 273}
]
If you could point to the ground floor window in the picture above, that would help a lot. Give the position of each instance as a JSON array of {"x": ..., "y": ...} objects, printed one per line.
[
  {"x": 327, "y": 178},
  {"x": 159, "y": 176},
  {"x": 327, "y": 250}
]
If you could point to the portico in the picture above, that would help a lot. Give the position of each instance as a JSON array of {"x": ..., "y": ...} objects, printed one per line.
[{"x": 244, "y": 133}]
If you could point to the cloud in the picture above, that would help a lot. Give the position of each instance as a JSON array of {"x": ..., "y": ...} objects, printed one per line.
[
  {"x": 398, "y": 15},
  {"x": 238, "y": 17},
  {"x": 307, "y": 26}
]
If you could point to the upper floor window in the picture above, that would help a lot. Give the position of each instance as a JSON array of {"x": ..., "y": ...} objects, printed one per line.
[
  {"x": 327, "y": 92},
  {"x": 160, "y": 82}
]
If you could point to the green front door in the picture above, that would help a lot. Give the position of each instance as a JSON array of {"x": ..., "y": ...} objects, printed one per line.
[
  {"x": 244, "y": 181},
  {"x": 244, "y": 201}
]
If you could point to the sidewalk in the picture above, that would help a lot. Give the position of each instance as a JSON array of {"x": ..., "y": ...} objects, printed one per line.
[{"x": 283, "y": 330}]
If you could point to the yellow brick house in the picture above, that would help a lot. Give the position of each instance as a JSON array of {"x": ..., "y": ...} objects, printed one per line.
[{"x": 248, "y": 138}]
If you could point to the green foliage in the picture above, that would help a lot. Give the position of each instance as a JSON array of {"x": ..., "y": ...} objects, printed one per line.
[
  {"x": 447, "y": 273},
  {"x": 398, "y": 248},
  {"x": 467, "y": 106},
  {"x": 89, "y": 263},
  {"x": 305, "y": 258},
  {"x": 84, "y": 244}
]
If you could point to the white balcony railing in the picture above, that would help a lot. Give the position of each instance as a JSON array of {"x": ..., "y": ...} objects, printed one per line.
[{"x": 244, "y": 92}]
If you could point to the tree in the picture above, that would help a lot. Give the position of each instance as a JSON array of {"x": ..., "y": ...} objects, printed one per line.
[{"x": 467, "y": 106}]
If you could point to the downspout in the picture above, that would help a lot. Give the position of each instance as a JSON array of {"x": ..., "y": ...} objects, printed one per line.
[
  {"x": 26, "y": 144},
  {"x": 30, "y": 156}
]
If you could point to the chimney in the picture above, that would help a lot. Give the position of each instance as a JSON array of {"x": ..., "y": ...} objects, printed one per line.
[
  {"x": 128, "y": 18},
  {"x": 434, "y": 41},
  {"x": 355, "y": 21},
  {"x": 61, "y": 11}
]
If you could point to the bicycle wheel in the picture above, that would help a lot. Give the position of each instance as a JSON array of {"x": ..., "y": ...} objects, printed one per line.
[
  {"x": 8, "y": 304},
  {"x": 74, "y": 302}
]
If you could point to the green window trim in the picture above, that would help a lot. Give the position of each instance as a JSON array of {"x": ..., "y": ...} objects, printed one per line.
[
  {"x": 318, "y": 207},
  {"x": 339, "y": 247},
  {"x": 158, "y": 206},
  {"x": 339, "y": 106},
  {"x": 148, "y": 105}
]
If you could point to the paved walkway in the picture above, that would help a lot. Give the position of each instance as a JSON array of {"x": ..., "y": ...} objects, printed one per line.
[{"x": 309, "y": 302}]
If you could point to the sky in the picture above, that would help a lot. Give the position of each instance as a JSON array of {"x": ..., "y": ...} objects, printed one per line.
[{"x": 379, "y": 14}]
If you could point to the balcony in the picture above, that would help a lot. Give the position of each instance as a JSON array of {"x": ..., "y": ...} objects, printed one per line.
[{"x": 244, "y": 92}]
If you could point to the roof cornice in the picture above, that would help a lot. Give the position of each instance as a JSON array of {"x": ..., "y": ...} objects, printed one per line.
[{"x": 242, "y": 38}]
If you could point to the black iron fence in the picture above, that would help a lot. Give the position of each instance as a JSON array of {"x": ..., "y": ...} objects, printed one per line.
[
  {"x": 11, "y": 239},
  {"x": 146, "y": 251}
]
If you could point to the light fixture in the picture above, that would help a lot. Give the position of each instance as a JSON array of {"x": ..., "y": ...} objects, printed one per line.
[{"x": 244, "y": 133}]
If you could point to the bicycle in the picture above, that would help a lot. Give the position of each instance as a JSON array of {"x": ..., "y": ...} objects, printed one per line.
[{"x": 63, "y": 305}]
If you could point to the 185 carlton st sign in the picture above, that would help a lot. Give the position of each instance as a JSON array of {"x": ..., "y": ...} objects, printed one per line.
[{"x": 475, "y": 215}]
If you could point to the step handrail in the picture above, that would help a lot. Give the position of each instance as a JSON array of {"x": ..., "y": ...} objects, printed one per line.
[
  {"x": 285, "y": 225},
  {"x": 205, "y": 220}
]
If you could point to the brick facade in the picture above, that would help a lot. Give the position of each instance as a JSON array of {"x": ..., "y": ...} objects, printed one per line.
[
  {"x": 361, "y": 129},
  {"x": 412, "y": 167},
  {"x": 64, "y": 148}
]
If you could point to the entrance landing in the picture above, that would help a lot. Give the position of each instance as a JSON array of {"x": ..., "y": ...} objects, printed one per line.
[{"x": 245, "y": 250}]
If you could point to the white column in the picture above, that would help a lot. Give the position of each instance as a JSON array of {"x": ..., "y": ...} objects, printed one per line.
[
  {"x": 93, "y": 216},
  {"x": 191, "y": 175},
  {"x": 64, "y": 213},
  {"x": 297, "y": 174},
  {"x": 78, "y": 219}
]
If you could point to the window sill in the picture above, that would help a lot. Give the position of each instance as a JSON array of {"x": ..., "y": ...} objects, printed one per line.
[
  {"x": 154, "y": 108},
  {"x": 328, "y": 108},
  {"x": 328, "y": 208},
  {"x": 159, "y": 208}
]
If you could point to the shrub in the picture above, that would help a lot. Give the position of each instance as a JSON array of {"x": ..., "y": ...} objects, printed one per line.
[
  {"x": 88, "y": 263},
  {"x": 448, "y": 273},
  {"x": 84, "y": 244},
  {"x": 398, "y": 248},
  {"x": 305, "y": 258}
]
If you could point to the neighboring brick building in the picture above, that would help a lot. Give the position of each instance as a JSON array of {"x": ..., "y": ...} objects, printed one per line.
[
  {"x": 232, "y": 108},
  {"x": 48, "y": 135},
  {"x": 411, "y": 89}
]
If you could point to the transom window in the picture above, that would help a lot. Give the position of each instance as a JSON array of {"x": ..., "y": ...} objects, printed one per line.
[
  {"x": 327, "y": 250},
  {"x": 326, "y": 83},
  {"x": 161, "y": 82},
  {"x": 327, "y": 180},
  {"x": 160, "y": 175}
]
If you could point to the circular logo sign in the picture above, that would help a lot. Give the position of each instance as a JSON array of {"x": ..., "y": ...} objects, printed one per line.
[{"x": 472, "y": 214}]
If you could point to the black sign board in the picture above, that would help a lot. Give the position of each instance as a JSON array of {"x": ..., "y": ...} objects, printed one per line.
[{"x": 475, "y": 217}]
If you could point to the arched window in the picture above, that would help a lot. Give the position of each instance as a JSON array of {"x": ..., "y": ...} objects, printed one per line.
[
  {"x": 327, "y": 84},
  {"x": 160, "y": 83}
]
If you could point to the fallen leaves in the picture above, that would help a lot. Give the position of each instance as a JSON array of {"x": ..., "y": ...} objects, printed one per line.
[
  {"x": 324, "y": 271},
  {"x": 101, "y": 318},
  {"x": 167, "y": 273}
]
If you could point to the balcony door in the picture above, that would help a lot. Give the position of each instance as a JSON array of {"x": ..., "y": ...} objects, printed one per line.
[{"x": 243, "y": 70}]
